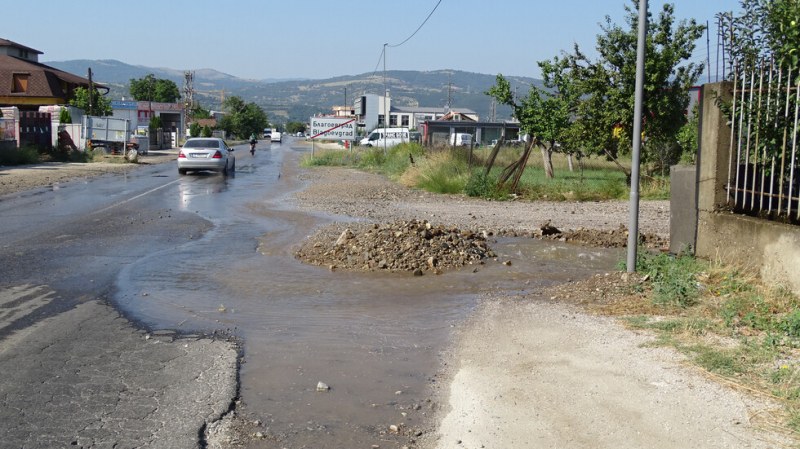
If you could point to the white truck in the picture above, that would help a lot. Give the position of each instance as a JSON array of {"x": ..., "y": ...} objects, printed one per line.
[
  {"x": 110, "y": 133},
  {"x": 275, "y": 136}
]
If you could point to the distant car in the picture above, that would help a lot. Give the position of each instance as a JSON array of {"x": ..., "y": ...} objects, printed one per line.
[
  {"x": 206, "y": 153},
  {"x": 276, "y": 136},
  {"x": 299, "y": 134}
]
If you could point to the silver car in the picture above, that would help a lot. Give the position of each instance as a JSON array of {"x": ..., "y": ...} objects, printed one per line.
[{"x": 206, "y": 153}]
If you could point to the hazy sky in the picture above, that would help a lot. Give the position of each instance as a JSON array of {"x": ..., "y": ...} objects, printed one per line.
[{"x": 320, "y": 39}]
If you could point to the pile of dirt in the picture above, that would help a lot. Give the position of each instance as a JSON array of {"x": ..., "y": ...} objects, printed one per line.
[
  {"x": 418, "y": 246},
  {"x": 614, "y": 238},
  {"x": 415, "y": 246}
]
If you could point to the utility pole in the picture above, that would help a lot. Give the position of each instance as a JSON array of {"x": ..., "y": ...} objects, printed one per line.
[
  {"x": 91, "y": 92},
  {"x": 188, "y": 94},
  {"x": 633, "y": 226},
  {"x": 449, "y": 92},
  {"x": 385, "y": 100},
  {"x": 708, "y": 52}
]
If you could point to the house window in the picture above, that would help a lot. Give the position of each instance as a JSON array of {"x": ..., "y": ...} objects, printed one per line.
[
  {"x": 20, "y": 81},
  {"x": 380, "y": 119},
  {"x": 392, "y": 120},
  {"x": 404, "y": 120}
]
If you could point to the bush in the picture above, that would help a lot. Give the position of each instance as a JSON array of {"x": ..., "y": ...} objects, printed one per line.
[
  {"x": 442, "y": 172},
  {"x": 19, "y": 156},
  {"x": 482, "y": 185},
  {"x": 195, "y": 130},
  {"x": 64, "y": 116},
  {"x": 373, "y": 158},
  {"x": 206, "y": 132},
  {"x": 674, "y": 278}
]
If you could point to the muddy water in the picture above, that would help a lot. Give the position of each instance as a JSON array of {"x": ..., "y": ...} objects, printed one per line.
[{"x": 375, "y": 339}]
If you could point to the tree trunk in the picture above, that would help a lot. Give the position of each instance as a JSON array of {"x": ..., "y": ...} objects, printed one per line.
[
  {"x": 547, "y": 160},
  {"x": 569, "y": 162}
]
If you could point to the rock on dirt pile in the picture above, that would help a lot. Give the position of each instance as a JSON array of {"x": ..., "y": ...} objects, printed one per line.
[{"x": 401, "y": 246}]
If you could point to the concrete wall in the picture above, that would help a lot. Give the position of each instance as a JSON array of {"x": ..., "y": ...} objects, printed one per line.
[
  {"x": 769, "y": 248},
  {"x": 682, "y": 208}
]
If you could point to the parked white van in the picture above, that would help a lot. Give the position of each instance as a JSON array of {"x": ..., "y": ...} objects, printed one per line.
[
  {"x": 394, "y": 136},
  {"x": 460, "y": 139}
]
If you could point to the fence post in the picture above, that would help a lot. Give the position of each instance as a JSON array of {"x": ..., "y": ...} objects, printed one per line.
[{"x": 715, "y": 137}]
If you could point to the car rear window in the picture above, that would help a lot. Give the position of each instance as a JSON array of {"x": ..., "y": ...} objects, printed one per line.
[{"x": 202, "y": 143}]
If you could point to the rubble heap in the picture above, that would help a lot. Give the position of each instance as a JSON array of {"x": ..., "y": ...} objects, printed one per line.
[{"x": 401, "y": 246}]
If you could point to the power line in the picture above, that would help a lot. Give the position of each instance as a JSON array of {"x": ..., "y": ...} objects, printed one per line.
[
  {"x": 420, "y": 27},
  {"x": 380, "y": 58}
]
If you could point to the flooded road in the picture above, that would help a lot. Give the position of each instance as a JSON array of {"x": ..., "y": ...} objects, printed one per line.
[{"x": 375, "y": 339}]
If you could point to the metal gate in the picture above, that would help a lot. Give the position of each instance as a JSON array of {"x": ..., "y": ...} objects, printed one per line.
[{"x": 35, "y": 128}]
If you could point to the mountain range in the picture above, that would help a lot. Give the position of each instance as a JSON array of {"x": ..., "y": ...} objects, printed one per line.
[{"x": 298, "y": 99}]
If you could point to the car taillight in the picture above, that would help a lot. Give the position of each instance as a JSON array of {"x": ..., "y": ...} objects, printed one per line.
[
  {"x": 181, "y": 155},
  {"x": 217, "y": 155}
]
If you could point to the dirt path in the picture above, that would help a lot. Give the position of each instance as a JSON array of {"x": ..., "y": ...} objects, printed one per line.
[{"x": 532, "y": 374}]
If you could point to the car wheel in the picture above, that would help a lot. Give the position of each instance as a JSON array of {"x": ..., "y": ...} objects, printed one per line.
[
  {"x": 181, "y": 171},
  {"x": 225, "y": 169},
  {"x": 233, "y": 166}
]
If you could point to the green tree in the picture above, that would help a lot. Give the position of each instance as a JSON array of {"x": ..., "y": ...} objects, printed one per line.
[
  {"x": 764, "y": 28},
  {"x": 545, "y": 114},
  {"x": 607, "y": 85},
  {"x": 206, "y": 132},
  {"x": 243, "y": 119},
  {"x": 295, "y": 127},
  {"x": 101, "y": 106},
  {"x": 687, "y": 138},
  {"x": 194, "y": 129},
  {"x": 155, "y": 123},
  {"x": 150, "y": 88},
  {"x": 64, "y": 116},
  {"x": 199, "y": 111}
]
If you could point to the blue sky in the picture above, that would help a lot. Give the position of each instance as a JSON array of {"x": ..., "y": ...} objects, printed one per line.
[{"x": 320, "y": 39}]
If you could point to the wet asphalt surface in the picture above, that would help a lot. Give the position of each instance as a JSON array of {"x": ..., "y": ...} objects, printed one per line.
[{"x": 207, "y": 254}]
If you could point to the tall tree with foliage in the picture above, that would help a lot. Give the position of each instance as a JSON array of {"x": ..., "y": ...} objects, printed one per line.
[
  {"x": 101, "y": 105},
  {"x": 764, "y": 28},
  {"x": 150, "y": 88},
  {"x": 243, "y": 119},
  {"x": 199, "y": 112},
  {"x": 295, "y": 127},
  {"x": 545, "y": 114},
  {"x": 608, "y": 84}
]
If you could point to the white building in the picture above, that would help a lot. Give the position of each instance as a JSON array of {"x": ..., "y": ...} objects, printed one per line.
[{"x": 370, "y": 110}]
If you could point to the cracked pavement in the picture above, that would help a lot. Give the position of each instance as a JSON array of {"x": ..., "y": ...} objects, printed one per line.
[{"x": 88, "y": 378}]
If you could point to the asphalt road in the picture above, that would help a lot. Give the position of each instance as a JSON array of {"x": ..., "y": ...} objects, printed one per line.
[{"x": 74, "y": 372}]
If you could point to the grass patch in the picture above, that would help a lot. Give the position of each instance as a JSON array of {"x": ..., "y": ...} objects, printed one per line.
[
  {"x": 449, "y": 170},
  {"x": 717, "y": 361},
  {"x": 727, "y": 323},
  {"x": 328, "y": 158},
  {"x": 674, "y": 279}
]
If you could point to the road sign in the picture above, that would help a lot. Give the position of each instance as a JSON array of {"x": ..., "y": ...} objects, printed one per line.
[{"x": 328, "y": 128}]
